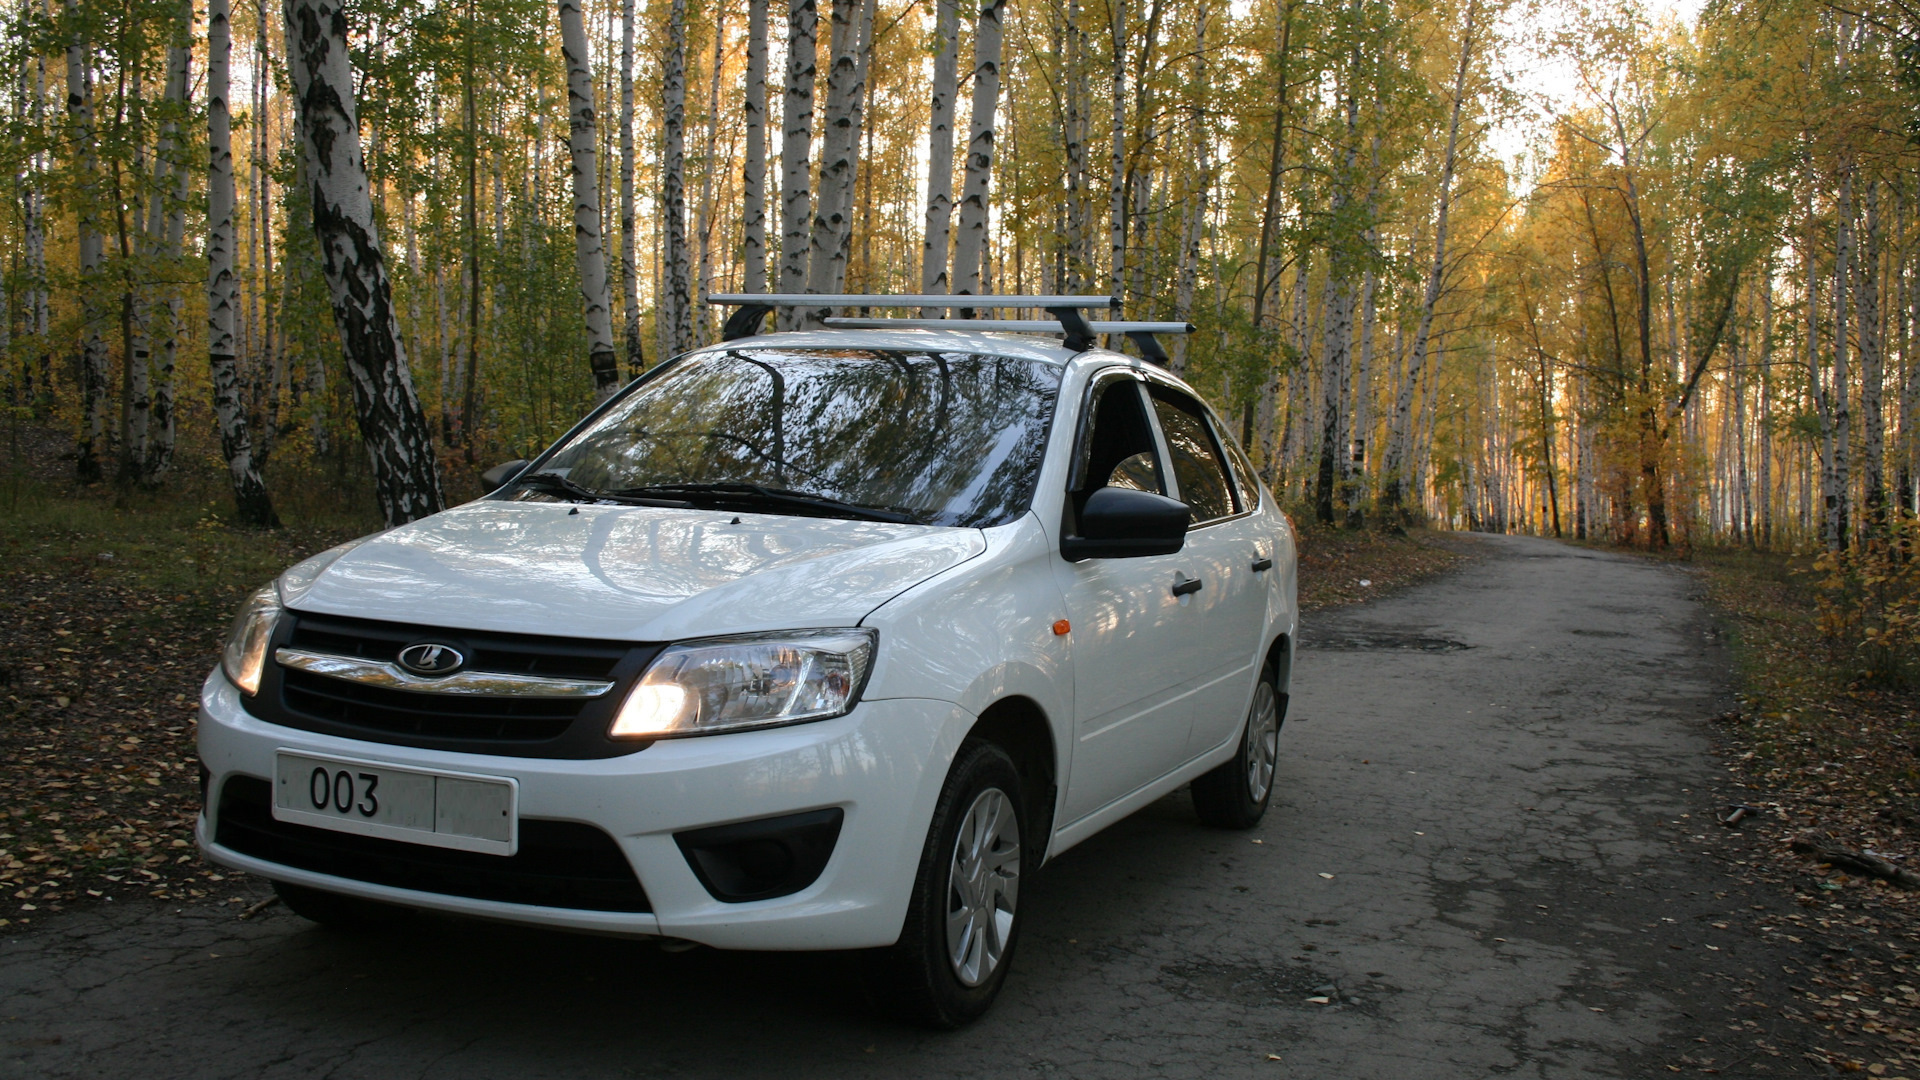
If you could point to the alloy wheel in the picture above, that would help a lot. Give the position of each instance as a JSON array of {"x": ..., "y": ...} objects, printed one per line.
[
  {"x": 983, "y": 884},
  {"x": 1263, "y": 741}
]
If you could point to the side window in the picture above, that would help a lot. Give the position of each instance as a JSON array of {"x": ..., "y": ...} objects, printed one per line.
[
  {"x": 1246, "y": 482},
  {"x": 1117, "y": 449},
  {"x": 1197, "y": 462}
]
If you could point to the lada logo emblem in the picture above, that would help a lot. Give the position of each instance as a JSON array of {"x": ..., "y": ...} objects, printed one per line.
[{"x": 432, "y": 659}]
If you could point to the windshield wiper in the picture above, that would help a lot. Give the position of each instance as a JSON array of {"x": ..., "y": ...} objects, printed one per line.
[
  {"x": 799, "y": 500},
  {"x": 554, "y": 483}
]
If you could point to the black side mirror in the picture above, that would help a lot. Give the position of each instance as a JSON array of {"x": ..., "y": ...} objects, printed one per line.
[
  {"x": 1120, "y": 523},
  {"x": 497, "y": 476}
]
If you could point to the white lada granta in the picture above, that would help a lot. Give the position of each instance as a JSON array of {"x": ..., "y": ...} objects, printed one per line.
[{"x": 812, "y": 640}]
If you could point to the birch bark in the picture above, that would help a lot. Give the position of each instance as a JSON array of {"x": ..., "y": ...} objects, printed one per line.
[
  {"x": 970, "y": 243},
  {"x": 839, "y": 146},
  {"x": 1202, "y": 183},
  {"x": 168, "y": 224},
  {"x": 1117, "y": 147},
  {"x": 1872, "y": 374},
  {"x": 629, "y": 259},
  {"x": 1400, "y": 438},
  {"x": 946, "y": 86},
  {"x": 753, "y": 180},
  {"x": 589, "y": 250},
  {"x": 398, "y": 440},
  {"x": 250, "y": 498},
  {"x": 92, "y": 245},
  {"x": 676, "y": 303},
  {"x": 796, "y": 202}
]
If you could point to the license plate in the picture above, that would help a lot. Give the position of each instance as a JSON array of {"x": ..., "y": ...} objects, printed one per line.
[{"x": 371, "y": 798}]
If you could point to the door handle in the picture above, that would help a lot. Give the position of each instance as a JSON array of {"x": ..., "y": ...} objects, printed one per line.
[
  {"x": 1262, "y": 563},
  {"x": 1183, "y": 585}
]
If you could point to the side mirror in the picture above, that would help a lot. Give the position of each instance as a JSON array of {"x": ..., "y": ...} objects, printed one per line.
[
  {"x": 497, "y": 476},
  {"x": 1120, "y": 523}
]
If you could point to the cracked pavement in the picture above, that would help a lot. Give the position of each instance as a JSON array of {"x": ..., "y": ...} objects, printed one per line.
[{"x": 1481, "y": 861}]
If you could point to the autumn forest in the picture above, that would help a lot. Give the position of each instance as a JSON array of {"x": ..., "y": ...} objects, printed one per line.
[{"x": 1635, "y": 276}]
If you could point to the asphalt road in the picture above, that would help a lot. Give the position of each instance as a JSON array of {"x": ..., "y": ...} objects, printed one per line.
[{"x": 1482, "y": 860}]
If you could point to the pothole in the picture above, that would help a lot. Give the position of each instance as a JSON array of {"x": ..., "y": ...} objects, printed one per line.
[{"x": 1379, "y": 641}]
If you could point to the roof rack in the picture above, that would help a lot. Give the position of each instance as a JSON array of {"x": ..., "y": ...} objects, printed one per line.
[
  {"x": 1140, "y": 333},
  {"x": 1066, "y": 311}
]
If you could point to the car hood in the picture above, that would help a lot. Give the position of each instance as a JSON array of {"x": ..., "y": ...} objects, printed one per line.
[{"x": 625, "y": 573}]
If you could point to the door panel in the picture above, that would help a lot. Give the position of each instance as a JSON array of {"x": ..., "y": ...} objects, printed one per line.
[{"x": 1131, "y": 636}]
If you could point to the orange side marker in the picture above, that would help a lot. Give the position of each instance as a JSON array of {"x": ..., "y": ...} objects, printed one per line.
[{"x": 1061, "y": 627}]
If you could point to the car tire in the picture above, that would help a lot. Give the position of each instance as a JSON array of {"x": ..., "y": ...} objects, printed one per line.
[
  {"x": 1235, "y": 795},
  {"x": 336, "y": 911},
  {"x": 963, "y": 919}
]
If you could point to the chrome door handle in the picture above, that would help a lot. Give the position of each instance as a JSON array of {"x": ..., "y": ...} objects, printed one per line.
[
  {"x": 1262, "y": 563},
  {"x": 1183, "y": 585}
]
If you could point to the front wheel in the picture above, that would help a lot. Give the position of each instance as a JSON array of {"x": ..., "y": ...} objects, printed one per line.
[
  {"x": 1235, "y": 795},
  {"x": 964, "y": 918}
]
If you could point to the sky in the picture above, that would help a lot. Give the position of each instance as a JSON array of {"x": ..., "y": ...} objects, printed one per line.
[{"x": 1546, "y": 81}]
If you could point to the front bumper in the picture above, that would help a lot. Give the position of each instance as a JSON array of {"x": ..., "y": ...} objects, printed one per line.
[{"x": 882, "y": 765}]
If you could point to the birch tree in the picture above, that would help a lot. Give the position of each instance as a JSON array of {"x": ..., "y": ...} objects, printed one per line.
[
  {"x": 796, "y": 203},
  {"x": 946, "y": 75},
  {"x": 753, "y": 179},
  {"x": 676, "y": 304},
  {"x": 398, "y": 441},
  {"x": 970, "y": 244},
  {"x": 590, "y": 254},
  {"x": 250, "y": 498},
  {"x": 629, "y": 261},
  {"x": 92, "y": 249}
]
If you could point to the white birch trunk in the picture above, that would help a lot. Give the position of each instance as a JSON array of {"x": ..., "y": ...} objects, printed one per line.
[
  {"x": 589, "y": 251},
  {"x": 1872, "y": 373},
  {"x": 236, "y": 444},
  {"x": 1394, "y": 472},
  {"x": 675, "y": 300},
  {"x": 703, "y": 282},
  {"x": 92, "y": 253},
  {"x": 1117, "y": 154},
  {"x": 169, "y": 226},
  {"x": 399, "y": 443},
  {"x": 946, "y": 87},
  {"x": 1192, "y": 226},
  {"x": 629, "y": 259},
  {"x": 839, "y": 144},
  {"x": 753, "y": 180},
  {"x": 796, "y": 202},
  {"x": 970, "y": 243}
]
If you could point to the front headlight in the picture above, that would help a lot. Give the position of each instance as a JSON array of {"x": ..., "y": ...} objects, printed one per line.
[
  {"x": 747, "y": 681},
  {"x": 246, "y": 652}
]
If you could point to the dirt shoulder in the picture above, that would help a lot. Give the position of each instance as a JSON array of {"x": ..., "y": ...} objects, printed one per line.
[{"x": 1815, "y": 754}]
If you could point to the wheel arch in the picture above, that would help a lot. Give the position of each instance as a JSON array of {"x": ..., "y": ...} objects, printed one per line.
[{"x": 1018, "y": 725}]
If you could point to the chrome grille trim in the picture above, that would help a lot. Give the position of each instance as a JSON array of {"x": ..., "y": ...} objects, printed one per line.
[{"x": 391, "y": 676}]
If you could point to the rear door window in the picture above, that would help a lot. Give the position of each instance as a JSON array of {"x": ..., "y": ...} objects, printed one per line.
[{"x": 1198, "y": 465}]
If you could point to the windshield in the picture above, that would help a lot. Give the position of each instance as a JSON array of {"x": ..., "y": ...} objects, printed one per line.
[{"x": 937, "y": 438}]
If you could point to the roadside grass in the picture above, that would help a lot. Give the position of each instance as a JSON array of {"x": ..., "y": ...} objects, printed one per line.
[
  {"x": 112, "y": 608},
  {"x": 1821, "y": 751},
  {"x": 1348, "y": 566}
]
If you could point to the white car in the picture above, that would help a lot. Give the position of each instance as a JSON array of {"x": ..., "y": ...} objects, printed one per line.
[{"x": 814, "y": 640}]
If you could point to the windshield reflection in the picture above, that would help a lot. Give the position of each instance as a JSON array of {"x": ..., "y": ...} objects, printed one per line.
[{"x": 949, "y": 439}]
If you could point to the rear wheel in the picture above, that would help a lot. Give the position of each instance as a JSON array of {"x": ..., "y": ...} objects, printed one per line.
[
  {"x": 1235, "y": 795},
  {"x": 334, "y": 910},
  {"x": 964, "y": 918}
]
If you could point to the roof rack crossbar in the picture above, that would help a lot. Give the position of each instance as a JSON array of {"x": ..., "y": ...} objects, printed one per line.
[
  {"x": 1017, "y": 326},
  {"x": 930, "y": 300}
]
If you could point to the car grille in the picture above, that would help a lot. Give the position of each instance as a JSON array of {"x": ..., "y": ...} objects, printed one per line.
[
  {"x": 561, "y": 864},
  {"x": 472, "y": 723}
]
